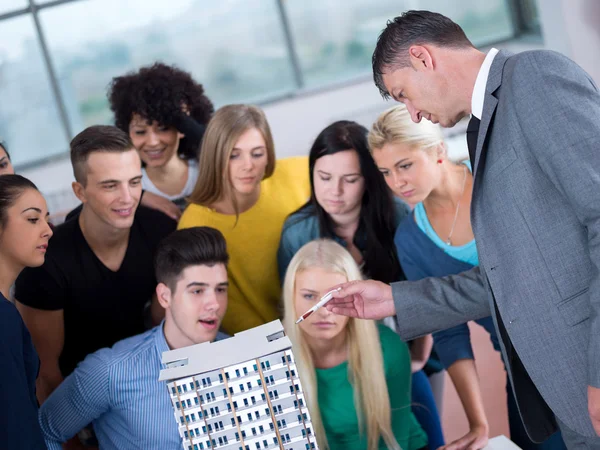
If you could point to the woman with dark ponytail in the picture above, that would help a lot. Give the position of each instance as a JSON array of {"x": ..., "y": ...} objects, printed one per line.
[{"x": 24, "y": 236}]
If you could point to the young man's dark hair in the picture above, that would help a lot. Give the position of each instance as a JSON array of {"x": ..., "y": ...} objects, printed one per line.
[
  {"x": 163, "y": 94},
  {"x": 97, "y": 138},
  {"x": 189, "y": 247},
  {"x": 412, "y": 28}
]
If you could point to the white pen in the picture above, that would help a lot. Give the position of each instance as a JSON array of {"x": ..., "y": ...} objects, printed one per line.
[{"x": 321, "y": 303}]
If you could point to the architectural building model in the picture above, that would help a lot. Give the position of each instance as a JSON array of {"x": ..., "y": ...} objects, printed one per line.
[{"x": 241, "y": 393}]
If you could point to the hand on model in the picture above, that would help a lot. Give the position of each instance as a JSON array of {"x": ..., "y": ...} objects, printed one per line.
[
  {"x": 366, "y": 299},
  {"x": 475, "y": 439}
]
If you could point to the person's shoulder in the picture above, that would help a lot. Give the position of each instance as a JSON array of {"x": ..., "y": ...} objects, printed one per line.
[
  {"x": 9, "y": 315},
  {"x": 401, "y": 210},
  {"x": 291, "y": 168},
  {"x": 194, "y": 215},
  {"x": 302, "y": 221},
  {"x": 388, "y": 337},
  {"x": 144, "y": 213},
  {"x": 527, "y": 68},
  {"x": 62, "y": 235},
  {"x": 129, "y": 351},
  {"x": 544, "y": 57},
  {"x": 290, "y": 183},
  {"x": 394, "y": 349},
  {"x": 299, "y": 228},
  {"x": 406, "y": 225},
  {"x": 153, "y": 221},
  {"x": 292, "y": 165}
]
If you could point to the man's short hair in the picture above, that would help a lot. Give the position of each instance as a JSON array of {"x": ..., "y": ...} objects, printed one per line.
[
  {"x": 97, "y": 138},
  {"x": 412, "y": 28},
  {"x": 181, "y": 249}
]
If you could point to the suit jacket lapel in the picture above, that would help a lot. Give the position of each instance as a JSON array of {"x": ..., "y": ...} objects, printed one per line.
[{"x": 489, "y": 104}]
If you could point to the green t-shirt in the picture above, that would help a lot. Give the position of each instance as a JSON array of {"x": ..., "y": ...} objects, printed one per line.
[{"x": 336, "y": 400}]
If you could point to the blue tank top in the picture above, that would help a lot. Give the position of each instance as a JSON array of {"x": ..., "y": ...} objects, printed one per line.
[{"x": 466, "y": 253}]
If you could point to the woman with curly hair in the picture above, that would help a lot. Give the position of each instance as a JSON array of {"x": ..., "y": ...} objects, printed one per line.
[{"x": 165, "y": 113}]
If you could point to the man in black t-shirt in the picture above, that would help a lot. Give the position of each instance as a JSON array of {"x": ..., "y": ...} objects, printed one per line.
[{"x": 98, "y": 276}]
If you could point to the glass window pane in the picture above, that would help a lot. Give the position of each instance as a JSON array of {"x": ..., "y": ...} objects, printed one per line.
[
  {"x": 7, "y": 6},
  {"x": 235, "y": 48},
  {"x": 29, "y": 119},
  {"x": 336, "y": 44}
]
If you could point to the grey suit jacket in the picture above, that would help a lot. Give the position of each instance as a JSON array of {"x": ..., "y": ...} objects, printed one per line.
[{"x": 535, "y": 213}]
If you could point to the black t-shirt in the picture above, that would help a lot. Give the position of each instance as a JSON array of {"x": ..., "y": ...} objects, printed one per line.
[
  {"x": 100, "y": 306},
  {"x": 19, "y": 427}
]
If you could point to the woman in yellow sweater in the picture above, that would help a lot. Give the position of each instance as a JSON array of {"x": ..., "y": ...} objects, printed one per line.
[{"x": 244, "y": 193}]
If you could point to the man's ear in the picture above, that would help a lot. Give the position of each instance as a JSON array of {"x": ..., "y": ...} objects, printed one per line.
[
  {"x": 420, "y": 57},
  {"x": 79, "y": 191},
  {"x": 163, "y": 295}
]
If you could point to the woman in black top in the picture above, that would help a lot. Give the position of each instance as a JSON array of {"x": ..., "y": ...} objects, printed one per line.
[{"x": 24, "y": 236}]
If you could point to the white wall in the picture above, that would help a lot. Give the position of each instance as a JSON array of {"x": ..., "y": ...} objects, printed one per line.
[{"x": 572, "y": 27}]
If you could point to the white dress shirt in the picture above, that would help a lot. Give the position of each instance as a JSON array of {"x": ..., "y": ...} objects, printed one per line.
[{"x": 480, "y": 83}]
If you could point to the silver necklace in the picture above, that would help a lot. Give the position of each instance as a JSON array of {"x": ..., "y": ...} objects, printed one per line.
[{"x": 449, "y": 240}]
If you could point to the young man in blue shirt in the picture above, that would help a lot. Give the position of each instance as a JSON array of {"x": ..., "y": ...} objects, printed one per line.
[{"x": 117, "y": 389}]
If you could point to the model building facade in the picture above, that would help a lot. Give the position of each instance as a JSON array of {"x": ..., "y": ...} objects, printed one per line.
[{"x": 241, "y": 393}]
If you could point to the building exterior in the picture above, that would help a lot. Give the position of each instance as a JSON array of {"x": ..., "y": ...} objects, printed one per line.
[{"x": 241, "y": 393}]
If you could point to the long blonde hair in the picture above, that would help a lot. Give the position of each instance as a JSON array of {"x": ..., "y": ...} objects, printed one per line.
[
  {"x": 365, "y": 361},
  {"x": 396, "y": 126},
  {"x": 222, "y": 132}
]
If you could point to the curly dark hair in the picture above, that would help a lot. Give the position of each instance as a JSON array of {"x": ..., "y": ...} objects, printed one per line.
[{"x": 158, "y": 93}]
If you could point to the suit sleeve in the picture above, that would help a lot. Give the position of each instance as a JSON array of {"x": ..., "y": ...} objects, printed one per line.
[
  {"x": 79, "y": 400},
  {"x": 562, "y": 109},
  {"x": 434, "y": 304}
]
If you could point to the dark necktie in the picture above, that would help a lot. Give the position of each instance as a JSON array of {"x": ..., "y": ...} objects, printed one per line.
[{"x": 472, "y": 132}]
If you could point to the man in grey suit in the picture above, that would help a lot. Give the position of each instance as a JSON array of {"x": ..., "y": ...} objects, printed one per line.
[{"x": 535, "y": 214}]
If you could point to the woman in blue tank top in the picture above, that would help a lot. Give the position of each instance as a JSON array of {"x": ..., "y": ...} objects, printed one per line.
[{"x": 437, "y": 240}]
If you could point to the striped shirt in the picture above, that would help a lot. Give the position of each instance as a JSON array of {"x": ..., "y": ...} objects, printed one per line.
[{"x": 117, "y": 390}]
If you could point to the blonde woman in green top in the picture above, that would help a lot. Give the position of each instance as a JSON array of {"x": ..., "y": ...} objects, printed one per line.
[{"x": 355, "y": 374}]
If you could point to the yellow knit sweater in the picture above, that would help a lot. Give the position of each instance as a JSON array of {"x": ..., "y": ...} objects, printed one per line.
[{"x": 252, "y": 243}]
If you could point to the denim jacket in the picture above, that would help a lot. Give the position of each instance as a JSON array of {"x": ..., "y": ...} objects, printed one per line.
[{"x": 303, "y": 227}]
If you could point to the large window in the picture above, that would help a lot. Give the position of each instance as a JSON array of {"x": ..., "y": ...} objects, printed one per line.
[
  {"x": 29, "y": 119},
  {"x": 335, "y": 43},
  {"x": 11, "y": 5},
  {"x": 62, "y": 54}
]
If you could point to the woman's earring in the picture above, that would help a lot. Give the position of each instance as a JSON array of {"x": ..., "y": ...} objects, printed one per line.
[{"x": 439, "y": 161}]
